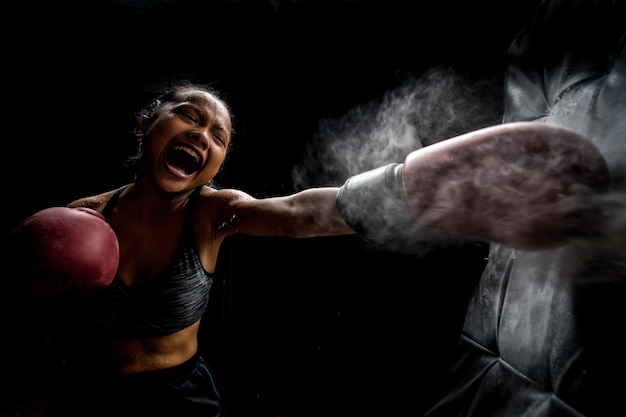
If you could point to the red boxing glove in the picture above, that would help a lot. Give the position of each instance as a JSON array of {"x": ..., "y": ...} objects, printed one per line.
[
  {"x": 61, "y": 249},
  {"x": 527, "y": 185}
]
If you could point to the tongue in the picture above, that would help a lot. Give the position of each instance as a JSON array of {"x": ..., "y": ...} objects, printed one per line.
[{"x": 181, "y": 161}]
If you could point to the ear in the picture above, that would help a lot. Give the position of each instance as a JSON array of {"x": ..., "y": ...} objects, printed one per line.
[{"x": 142, "y": 125}]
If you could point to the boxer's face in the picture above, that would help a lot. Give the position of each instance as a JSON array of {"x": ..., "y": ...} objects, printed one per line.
[{"x": 185, "y": 141}]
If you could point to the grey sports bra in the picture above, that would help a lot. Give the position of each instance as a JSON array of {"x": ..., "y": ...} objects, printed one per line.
[{"x": 170, "y": 302}]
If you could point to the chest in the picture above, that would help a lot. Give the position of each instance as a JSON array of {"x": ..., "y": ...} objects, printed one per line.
[{"x": 147, "y": 250}]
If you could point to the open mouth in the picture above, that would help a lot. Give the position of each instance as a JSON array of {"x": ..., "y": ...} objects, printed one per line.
[{"x": 184, "y": 159}]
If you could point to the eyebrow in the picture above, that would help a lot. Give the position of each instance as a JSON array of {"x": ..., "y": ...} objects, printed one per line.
[
  {"x": 195, "y": 99},
  {"x": 199, "y": 99}
]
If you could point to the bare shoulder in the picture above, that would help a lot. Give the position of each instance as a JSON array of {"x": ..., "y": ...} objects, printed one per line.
[
  {"x": 95, "y": 202},
  {"x": 224, "y": 196},
  {"x": 221, "y": 209}
]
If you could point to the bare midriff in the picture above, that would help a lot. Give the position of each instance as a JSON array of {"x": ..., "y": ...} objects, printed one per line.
[{"x": 154, "y": 353}]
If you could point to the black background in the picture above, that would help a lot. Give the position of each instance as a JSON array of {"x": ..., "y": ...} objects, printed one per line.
[{"x": 319, "y": 327}]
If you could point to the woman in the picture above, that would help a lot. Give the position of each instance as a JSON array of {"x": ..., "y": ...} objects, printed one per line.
[{"x": 170, "y": 224}]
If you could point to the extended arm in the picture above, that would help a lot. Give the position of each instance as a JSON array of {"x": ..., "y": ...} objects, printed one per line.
[{"x": 308, "y": 213}]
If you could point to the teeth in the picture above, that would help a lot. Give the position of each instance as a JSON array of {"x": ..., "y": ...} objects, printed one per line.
[{"x": 188, "y": 151}]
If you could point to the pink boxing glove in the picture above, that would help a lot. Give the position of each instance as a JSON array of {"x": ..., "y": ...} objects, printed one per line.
[
  {"x": 526, "y": 185},
  {"x": 63, "y": 249}
]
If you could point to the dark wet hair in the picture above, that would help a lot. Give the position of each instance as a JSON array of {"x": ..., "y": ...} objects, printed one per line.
[
  {"x": 171, "y": 93},
  {"x": 168, "y": 95}
]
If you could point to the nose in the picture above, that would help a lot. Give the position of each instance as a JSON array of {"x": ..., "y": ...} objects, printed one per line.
[{"x": 201, "y": 137}]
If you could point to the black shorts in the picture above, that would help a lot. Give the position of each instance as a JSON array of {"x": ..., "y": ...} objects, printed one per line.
[{"x": 186, "y": 390}]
